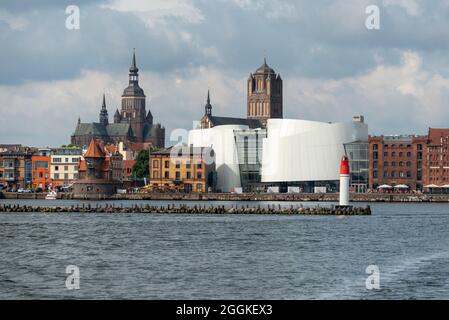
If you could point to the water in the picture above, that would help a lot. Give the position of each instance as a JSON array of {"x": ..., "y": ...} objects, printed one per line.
[{"x": 226, "y": 257}]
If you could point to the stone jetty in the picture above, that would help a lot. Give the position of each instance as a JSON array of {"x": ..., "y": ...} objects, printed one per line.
[{"x": 186, "y": 209}]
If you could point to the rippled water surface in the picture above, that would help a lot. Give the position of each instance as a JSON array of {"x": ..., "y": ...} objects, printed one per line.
[{"x": 149, "y": 256}]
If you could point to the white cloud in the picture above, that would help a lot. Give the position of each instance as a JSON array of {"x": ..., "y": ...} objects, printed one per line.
[
  {"x": 154, "y": 11},
  {"x": 12, "y": 21},
  {"x": 412, "y": 7}
]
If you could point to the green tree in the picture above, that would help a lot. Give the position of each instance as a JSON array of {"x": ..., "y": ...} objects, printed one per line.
[{"x": 141, "y": 168}]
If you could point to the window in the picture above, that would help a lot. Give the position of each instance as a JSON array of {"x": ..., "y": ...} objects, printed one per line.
[
  {"x": 409, "y": 164},
  {"x": 155, "y": 175},
  {"x": 385, "y": 154},
  {"x": 57, "y": 159},
  {"x": 409, "y": 174},
  {"x": 166, "y": 175},
  {"x": 393, "y": 154},
  {"x": 385, "y": 174},
  {"x": 189, "y": 175},
  {"x": 155, "y": 164},
  {"x": 199, "y": 187},
  {"x": 66, "y": 168},
  {"x": 66, "y": 176},
  {"x": 56, "y": 168},
  {"x": 393, "y": 174},
  {"x": 393, "y": 164},
  {"x": 66, "y": 159},
  {"x": 178, "y": 164},
  {"x": 401, "y": 164},
  {"x": 385, "y": 164},
  {"x": 199, "y": 175},
  {"x": 188, "y": 165},
  {"x": 167, "y": 164},
  {"x": 401, "y": 154},
  {"x": 199, "y": 165},
  {"x": 56, "y": 175},
  {"x": 178, "y": 175},
  {"x": 409, "y": 154},
  {"x": 375, "y": 174},
  {"x": 375, "y": 146}
]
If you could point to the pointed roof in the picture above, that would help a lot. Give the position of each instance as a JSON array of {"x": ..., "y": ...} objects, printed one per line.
[
  {"x": 265, "y": 68},
  {"x": 117, "y": 113},
  {"x": 94, "y": 150},
  {"x": 103, "y": 106},
  {"x": 133, "y": 68}
]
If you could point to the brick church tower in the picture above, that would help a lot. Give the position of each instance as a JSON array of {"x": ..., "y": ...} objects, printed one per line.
[{"x": 264, "y": 94}]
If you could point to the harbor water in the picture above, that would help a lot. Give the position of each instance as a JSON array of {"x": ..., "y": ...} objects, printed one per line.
[{"x": 176, "y": 256}]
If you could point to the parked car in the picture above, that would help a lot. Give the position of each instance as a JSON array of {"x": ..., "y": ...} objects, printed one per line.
[
  {"x": 27, "y": 191},
  {"x": 20, "y": 190}
]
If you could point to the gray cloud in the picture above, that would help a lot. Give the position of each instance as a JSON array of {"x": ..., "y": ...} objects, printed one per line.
[{"x": 331, "y": 64}]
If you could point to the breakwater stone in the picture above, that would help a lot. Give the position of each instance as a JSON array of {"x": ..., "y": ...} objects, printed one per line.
[{"x": 186, "y": 209}]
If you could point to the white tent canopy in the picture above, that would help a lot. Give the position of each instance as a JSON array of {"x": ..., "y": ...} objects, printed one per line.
[
  {"x": 432, "y": 186},
  {"x": 384, "y": 186},
  {"x": 401, "y": 186}
]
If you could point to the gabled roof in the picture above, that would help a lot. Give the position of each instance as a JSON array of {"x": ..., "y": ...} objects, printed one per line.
[
  {"x": 93, "y": 128},
  {"x": 94, "y": 150},
  {"x": 221, "y": 121},
  {"x": 118, "y": 129}
]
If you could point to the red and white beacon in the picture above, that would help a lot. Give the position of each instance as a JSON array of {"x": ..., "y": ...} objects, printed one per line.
[{"x": 344, "y": 181}]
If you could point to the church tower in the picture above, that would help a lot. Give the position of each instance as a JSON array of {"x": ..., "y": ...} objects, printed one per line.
[
  {"x": 264, "y": 92},
  {"x": 104, "y": 118},
  {"x": 133, "y": 103}
]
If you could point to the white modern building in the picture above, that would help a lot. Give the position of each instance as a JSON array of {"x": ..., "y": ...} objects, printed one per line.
[
  {"x": 301, "y": 150},
  {"x": 289, "y": 152}
]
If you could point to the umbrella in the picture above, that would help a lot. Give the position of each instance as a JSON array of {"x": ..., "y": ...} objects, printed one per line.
[
  {"x": 401, "y": 186},
  {"x": 431, "y": 186},
  {"x": 384, "y": 186}
]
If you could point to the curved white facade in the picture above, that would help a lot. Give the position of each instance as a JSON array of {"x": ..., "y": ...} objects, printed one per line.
[
  {"x": 301, "y": 150},
  {"x": 221, "y": 139}
]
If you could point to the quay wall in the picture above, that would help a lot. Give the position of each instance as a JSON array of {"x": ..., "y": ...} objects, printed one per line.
[{"x": 325, "y": 197}]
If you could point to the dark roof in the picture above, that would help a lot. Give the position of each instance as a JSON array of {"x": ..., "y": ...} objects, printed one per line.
[
  {"x": 192, "y": 150},
  {"x": 265, "y": 68},
  {"x": 133, "y": 90},
  {"x": 93, "y": 128},
  {"x": 221, "y": 121},
  {"x": 117, "y": 129},
  {"x": 98, "y": 129}
]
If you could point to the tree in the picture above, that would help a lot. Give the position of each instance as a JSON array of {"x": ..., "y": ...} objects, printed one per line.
[{"x": 141, "y": 168}]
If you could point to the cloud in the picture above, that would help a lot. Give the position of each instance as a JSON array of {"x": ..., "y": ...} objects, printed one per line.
[
  {"x": 332, "y": 66},
  {"x": 13, "y": 22},
  {"x": 156, "y": 11},
  {"x": 401, "y": 98}
]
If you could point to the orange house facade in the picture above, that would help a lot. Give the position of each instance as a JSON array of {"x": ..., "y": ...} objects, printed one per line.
[{"x": 40, "y": 171}]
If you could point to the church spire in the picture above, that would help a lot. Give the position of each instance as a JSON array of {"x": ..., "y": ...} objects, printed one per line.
[
  {"x": 208, "y": 106},
  {"x": 104, "y": 118},
  {"x": 103, "y": 106}
]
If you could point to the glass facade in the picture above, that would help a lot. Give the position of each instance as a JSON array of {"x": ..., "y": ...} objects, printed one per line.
[
  {"x": 249, "y": 151},
  {"x": 357, "y": 153}
]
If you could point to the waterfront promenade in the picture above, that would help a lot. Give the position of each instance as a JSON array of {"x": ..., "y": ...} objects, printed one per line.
[{"x": 303, "y": 197}]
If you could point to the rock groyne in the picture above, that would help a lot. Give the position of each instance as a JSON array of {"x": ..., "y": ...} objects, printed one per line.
[{"x": 185, "y": 209}]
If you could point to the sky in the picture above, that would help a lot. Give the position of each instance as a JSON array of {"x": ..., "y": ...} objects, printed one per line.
[{"x": 332, "y": 66}]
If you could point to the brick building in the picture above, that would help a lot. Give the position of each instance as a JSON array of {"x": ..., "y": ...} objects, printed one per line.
[
  {"x": 184, "y": 171},
  {"x": 396, "y": 160},
  {"x": 15, "y": 167},
  {"x": 100, "y": 172},
  {"x": 437, "y": 171}
]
